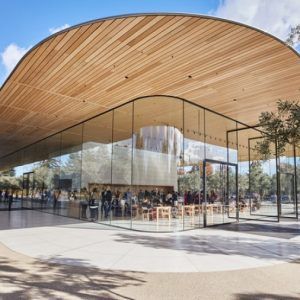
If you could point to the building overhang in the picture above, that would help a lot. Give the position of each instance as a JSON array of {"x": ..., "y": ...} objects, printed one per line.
[{"x": 230, "y": 68}]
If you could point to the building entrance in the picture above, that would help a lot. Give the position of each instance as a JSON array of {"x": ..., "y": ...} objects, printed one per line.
[{"x": 220, "y": 192}]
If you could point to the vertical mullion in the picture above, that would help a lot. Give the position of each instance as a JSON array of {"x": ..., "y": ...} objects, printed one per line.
[{"x": 295, "y": 182}]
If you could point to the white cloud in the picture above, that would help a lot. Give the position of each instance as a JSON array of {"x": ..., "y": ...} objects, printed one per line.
[
  {"x": 273, "y": 16},
  {"x": 57, "y": 29},
  {"x": 11, "y": 56}
]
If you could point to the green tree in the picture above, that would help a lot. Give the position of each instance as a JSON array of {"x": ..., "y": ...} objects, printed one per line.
[
  {"x": 282, "y": 126},
  {"x": 260, "y": 182},
  {"x": 45, "y": 171},
  {"x": 243, "y": 184}
]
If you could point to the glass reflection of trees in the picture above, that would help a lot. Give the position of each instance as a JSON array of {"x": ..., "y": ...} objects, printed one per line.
[{"x": 142, "y": 151}]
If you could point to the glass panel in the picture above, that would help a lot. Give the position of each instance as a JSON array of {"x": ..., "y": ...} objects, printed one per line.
[
  {"x": 17, "y": 172},
  {"x": 119, "y": 205},
  {"x": 96, "y": 166},
  {"x": 141, "y": 166},
  {"x": 11, "y": 182},
  {"x": 245, "y": 199},
  {"x": 158, "y": 140},
  {"x": 287, "y": 183},
  {"x": 217, "y": 136},
  {"x": 297, "y": 158},
  {"x": 28, "y": 167},
  {"x": 191, "y": 179},
  {"x": 39, "y": 173},
  {"x": 220, "y": 192},
  {"x": 257, "y": 177},
  {"x": 67, "y": 199},
  {"x": 221, "y": 146},
  {"x": 51, "y": 165},
  {"x": 263, "y": 181}
]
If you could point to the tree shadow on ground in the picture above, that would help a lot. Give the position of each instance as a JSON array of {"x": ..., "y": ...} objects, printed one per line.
[
  {"x": 285, "y": 231},
  {"x": 217, "y": 244},
  {"x": 263, "y": 296},
  {"x": 33, "y": 279}
]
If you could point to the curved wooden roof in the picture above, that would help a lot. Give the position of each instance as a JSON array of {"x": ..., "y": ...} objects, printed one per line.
[{"x": 87, "y": 69}]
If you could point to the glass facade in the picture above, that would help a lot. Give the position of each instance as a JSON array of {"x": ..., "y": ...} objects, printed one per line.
[{"x": 157, "y": 163}]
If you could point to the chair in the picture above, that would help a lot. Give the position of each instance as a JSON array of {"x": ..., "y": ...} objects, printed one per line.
[
  {"x": 146, "y": 212},
  {"x": 163, "y": 212}
]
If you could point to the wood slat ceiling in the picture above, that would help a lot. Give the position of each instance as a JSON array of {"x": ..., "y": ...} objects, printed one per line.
[{"x": 88, "y": 69}]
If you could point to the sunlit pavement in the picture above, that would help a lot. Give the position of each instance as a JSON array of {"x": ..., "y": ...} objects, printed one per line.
[{"x": 68, "y": 241}]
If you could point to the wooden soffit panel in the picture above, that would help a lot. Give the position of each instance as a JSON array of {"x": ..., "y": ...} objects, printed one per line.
[{"x": 88, "y": 69}]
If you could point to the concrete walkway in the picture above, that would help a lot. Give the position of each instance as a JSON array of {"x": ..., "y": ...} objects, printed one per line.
[
  {"x": 23, "y": 277},
  {"x": 55, "y": 239}
]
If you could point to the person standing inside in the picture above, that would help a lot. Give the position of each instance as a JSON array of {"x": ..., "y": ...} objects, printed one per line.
[
  {"x": 92, "y": 205},
  {"x": 10, "y": 200},
  {"x": 6, "y": 195},
  {"x": 103, "y": 201},
  {"x": 107, "y": 202}
]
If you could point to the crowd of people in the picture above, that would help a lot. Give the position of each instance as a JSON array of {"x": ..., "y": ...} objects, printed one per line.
[
  {"x": 121, "y": 203},
  {"x": 117, "y": 203}
]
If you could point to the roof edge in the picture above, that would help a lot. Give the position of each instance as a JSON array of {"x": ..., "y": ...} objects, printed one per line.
[{"x": 140, "y": 15}]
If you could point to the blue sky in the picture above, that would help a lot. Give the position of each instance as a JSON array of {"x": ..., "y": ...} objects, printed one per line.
[{"x": 24, "y": 23}]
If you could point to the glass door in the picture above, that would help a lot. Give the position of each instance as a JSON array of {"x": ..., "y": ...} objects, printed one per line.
[{"x": 220, "y": 192}]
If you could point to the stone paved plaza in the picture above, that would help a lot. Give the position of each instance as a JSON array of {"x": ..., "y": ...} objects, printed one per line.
[{"x": 47, "y": 256}]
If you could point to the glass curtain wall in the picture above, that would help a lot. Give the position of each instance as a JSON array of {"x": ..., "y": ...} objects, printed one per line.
[
  {"x": 191, "y": 177},
  {"x": 96, "y": 174},
  {"x": 155, "y": 164},
  {"x": 51, "y": 169},
  {"x": 120, "y": 200},
  {"x": 257, "y": 177},
  {"x": 297, "y": 164},
  {"x": 68, "y": 198},
  {"x": 288, "y": 182},
  {"x": 11, "y": 185},
  {"x": 220, "y": 172}
]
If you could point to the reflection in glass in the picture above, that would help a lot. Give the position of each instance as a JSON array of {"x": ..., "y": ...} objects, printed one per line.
[
  {"x": 96, "y": 166},
  {"x": 67, "y": 198},
  {"x": 155, "y": 164},
  {"x": 157, "y": 160},
  {"x": 287, "y": 182},
  {"x": 119, "y": 206}
]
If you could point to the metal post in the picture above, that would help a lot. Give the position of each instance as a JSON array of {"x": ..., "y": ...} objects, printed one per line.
[
  {"x": 204, "y": 174},
  {"x": 132, "y": 149},
  {"x": 249, "y": 176},
  {"x": 226, "y": 198},
  {"x": 204, "y": 195},
  {"x": 237, "y": 179},
  {"x": 278, "y": 182},
  {"x": 295, "y": 182}
]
